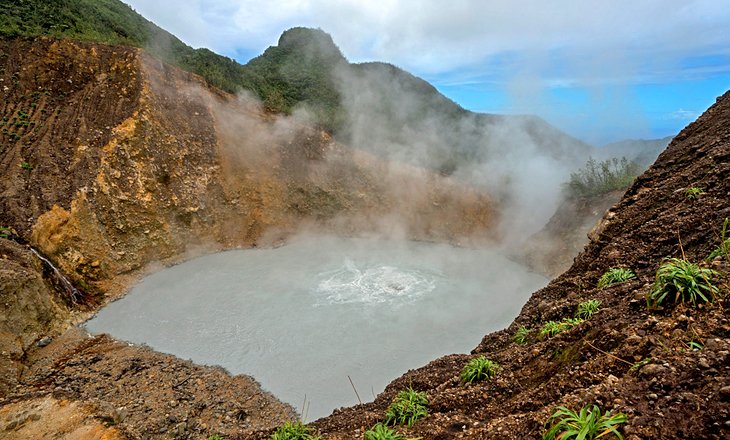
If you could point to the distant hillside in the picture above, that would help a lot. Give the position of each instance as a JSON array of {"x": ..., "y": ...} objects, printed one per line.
[
  {"x": 375, "y": 107},
  {"x": 305, "y": 69},
  {"x": 641, "y": 151}
]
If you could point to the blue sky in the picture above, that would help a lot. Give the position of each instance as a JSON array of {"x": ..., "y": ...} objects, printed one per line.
[{"x": 601, "y": 70}]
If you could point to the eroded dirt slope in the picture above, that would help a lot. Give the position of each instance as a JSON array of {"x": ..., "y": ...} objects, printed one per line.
[{"x": 673, "y": 390}]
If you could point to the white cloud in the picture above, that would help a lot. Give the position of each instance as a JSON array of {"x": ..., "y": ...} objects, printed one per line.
[{"x": 431, "y": 37}]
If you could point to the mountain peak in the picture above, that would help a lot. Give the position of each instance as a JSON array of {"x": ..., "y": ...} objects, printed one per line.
[{"x": 309, "y": 40}]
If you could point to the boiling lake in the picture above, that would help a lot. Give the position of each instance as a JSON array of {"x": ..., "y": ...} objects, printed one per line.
[{"x": 303, "y": 317}]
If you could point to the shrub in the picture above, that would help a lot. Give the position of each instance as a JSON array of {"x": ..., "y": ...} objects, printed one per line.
[
  {"x": 407, "y": 408},
  {"x": 521, "y": 334},
  {"x": 598, "y": 178},
  {"x": 723, "y": 250},
  {"x": 586, "y": 309},
  {"x": 552, "y": 328},
  {"x": 680, "y": 280},
  {"x": 693, "y": 193},
  {"x": 479, "y": 368},
  {"x": 4, "y": 232},
  {"x": 586, "y": 424},
  {"x": 382, "y": 432},
  {"x": 294, "y": 431},
  {"x": 216, "y": 437},
  {"x": 615, "y": 275}
]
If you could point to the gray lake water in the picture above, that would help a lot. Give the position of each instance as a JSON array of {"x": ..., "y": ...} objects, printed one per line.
[{"x": 302, "y": 317}]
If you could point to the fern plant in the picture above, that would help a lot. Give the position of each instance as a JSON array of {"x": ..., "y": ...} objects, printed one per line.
[
  {"x": 479, "y": 368},
  {"x": 693, "y": 193},
  {"x": 407, "y": 408},
  {"x": 679, "y": 280},
  {"x": 615, "y": 275},
  {"x": 586, "y": 424},
  {"x": 552, "y": 328},
  {"x": 521, "y": 335},
  {"x": 586, "y": 309},
  {"x": 382, "y": 432},
  {"x": 294, "y": 431}
]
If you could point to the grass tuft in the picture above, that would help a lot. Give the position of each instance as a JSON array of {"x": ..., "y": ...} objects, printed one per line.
[
  {"x": 477, "y": 369},
  {"x": 382, "y": 432},
  {"x": 615, "y": 275},
  {"x": 586, "y": 424},
  {"x": 521, "y": 335},
  {"x": 693, "y": 193},
  {"x": 407, "y": 408},
  {"x": 294, "y": 431},
  {"x": 679, "y": 280},
  {"x": 552, "y": 328},
  {"x": 723, "y": 250},
  {"x": 586, "y": 309}
]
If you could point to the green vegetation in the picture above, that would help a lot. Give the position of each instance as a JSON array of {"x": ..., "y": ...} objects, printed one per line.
[
  {"x": 693, "y": 193},
  {"x": 615, "y": 275},
  {"x": 552, "y": 328},
  {"x": 407, "y": 408},
  {"x": 521, "y": 335},
  {"x": 586, "y": 309},
  {"x": 586, "y": 424},
  {"x": 294, "y": 431},
  {"x": 723, "y": 250},
  {"x": 598, "y": 178},
  {"x": 639, "y": 364},
  {"x": 26, "y": 166},
  {"x": 479, "y": 368},
  {"x": 382, "y": 432},
  {"x": 679, "y": 280},
  {"x": 695, "y": 346},
  {"x": 4, "y": 232},
  {"x": 216, "y": 437}
]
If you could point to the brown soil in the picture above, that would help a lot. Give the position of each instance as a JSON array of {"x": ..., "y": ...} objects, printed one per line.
[{"x": 678, "y": 393}]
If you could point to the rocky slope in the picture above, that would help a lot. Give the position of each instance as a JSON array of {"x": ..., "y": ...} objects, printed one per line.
[
  {"x": 111, "y": 162},
  {"x": 644, "y": 363}
]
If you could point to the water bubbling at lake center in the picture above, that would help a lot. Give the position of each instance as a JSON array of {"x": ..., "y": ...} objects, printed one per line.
[{"x": 303, "y": 317}]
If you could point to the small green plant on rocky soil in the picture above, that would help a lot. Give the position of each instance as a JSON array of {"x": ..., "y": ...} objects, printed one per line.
[
  {"x": 479, "y": 368},
  {"x": 586, "y": 309},
  {"x": 679, "y": 280},
  {"x": 587, "y": 424},
  {"x": 407, "y": 408},
  {"x": 723, "y": 250},
  {"x": 294, "y": 431},
  {"x": 639, "y": 364},
  {"x": 521, "y": 335},
  {"x": 615, "y": 275},
  {"x": 216, "y": 437},
  {"x": 26, "y": 166},
  {"x": 4, "y": 232},
  {"x": 693, "y": 193},
  {"x": 382, "y": 432},
  {"x": 552, "y": 328}
]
